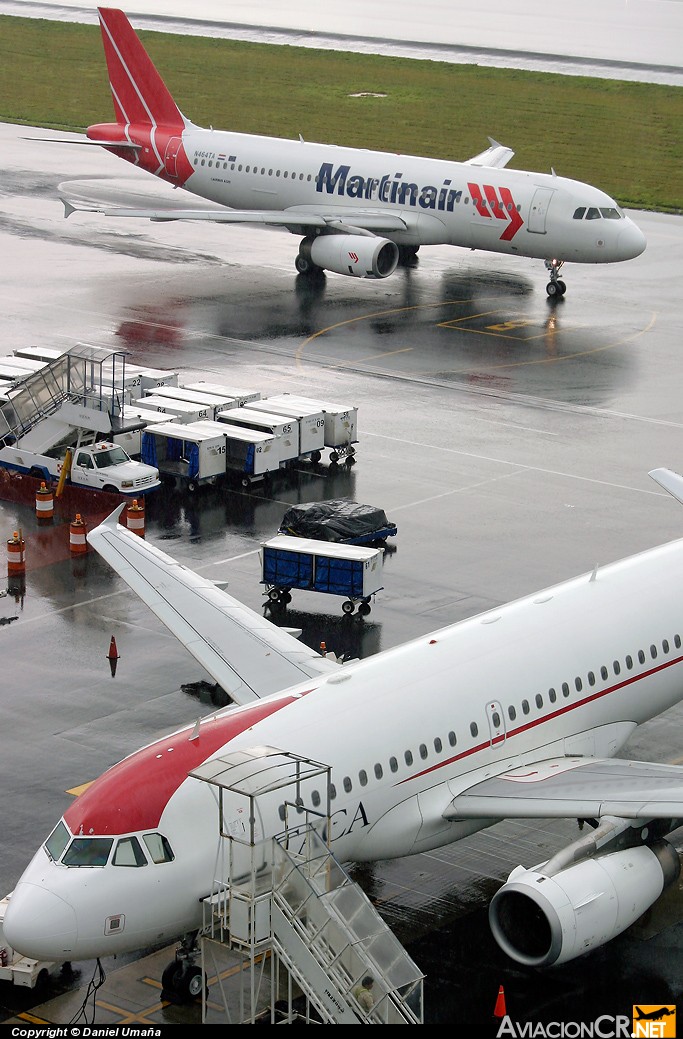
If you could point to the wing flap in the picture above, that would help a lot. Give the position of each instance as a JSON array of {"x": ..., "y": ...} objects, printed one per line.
[
  {"x": 570, "y": 788},
  {"x": 244, "y": 652}
]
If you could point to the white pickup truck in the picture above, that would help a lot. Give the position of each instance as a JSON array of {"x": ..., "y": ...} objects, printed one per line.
[{"x": 103, "y": 466}]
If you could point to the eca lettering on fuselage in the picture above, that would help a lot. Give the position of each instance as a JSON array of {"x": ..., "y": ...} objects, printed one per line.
[{"x": 392, "y": 189}]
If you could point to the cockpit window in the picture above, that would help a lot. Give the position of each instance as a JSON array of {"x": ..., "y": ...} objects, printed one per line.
[
  {"x": 57, "y": 841},
  {"x": 580, "y": 213},
  {"x": 593, "y": 213},
  {"x": 129, "y": 853},
  {"x": 88, "y": 851},
  {"x": 610, "y": 213},
  {"x": 158, "y": 847}
]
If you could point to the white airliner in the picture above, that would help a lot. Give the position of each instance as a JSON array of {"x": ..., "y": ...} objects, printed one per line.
[
  {"x": 515, "y": 713},
  {"x": 358, "y": 212}
]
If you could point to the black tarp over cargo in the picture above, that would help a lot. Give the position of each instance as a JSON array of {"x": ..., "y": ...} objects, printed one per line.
[{"x": 341, "y": 521}]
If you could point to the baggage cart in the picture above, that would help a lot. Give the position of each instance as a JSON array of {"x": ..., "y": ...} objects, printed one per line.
[
  {"x": 352, "y": 571},
  {"x": 341, "y": 424},
  {"x": 185, "y": 453},
  {"x": 282, "y": 426},
  {"x": 182, "y": 410},
  {"x": 239, "y": 395},
  {"x": 250, "y": 454},
  {"x": 311, "y": 423}
]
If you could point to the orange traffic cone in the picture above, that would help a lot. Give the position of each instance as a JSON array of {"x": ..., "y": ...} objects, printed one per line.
[
  {"x": 499, "y": 1009},
  {"x": 113, "y": 656}
]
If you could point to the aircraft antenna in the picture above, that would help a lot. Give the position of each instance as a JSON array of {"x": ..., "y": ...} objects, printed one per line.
[
  {"x": 195, "y": 731},
  {"x": 595, "y": 573}
]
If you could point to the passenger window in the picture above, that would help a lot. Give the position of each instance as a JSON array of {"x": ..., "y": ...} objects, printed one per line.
[
  {"x": 129, "y": 853},
  {"x": 423, "y": 751},
  {"x": 409, "y": 757},
  {"x": 452, "y": 738},
  {"x": 629, "y": 662},
  {"x": 665, "y": 646},
  {"x": 653, "y": 652},
  {"x": 363, "y": 777},
  {"x": 347, "y": 784},
  {"x": 539, "y": 700},
  {"x": 512, "y": 713},
  {"x": 315, "y": 799},
  {"x": 565, "y": 689},
  {"x": 438, "y": 745},
  {"x": 333, "y": 791},
  {"x": 158, "y": 847},
  {"x": 617, "y": 667},
  {"x": 641, "y": 656},
  {"x": 578, "y": 683},
  {"x": 604, "y": 672},
  {"x": 677, "y": 641},
  {"x": 552, "y": 695},
  {"x": 495, "y": 718},
  {"x": 474, "y": 729},
  {"x": 379, "y": 771},
  {"x": 525, "y": 706},
  {"x": 591, "y": 678},
  {"x": 393, "y": 764}
]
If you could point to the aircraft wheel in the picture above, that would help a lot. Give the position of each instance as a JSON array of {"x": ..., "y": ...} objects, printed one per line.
[
  {"x": 551, "y": 288},
  {"x": 347, "y": 607},
  {"x": 192, "y": 983},
  {"x": 561, "y": 288},
  {"x": 303, "y": 265}
]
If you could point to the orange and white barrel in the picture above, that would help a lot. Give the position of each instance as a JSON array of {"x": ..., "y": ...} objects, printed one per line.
[
  {"x": 135, "y": 517},
  {"x": 45, "y": 503},
  {"x": 77, "y": 543},
  {"x": 16, "y": 554}
]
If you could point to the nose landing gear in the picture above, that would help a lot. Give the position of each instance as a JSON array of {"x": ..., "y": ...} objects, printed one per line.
[{"x": 555, "y": 287}]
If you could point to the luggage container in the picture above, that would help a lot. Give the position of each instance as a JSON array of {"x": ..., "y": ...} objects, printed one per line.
[
  {"x": 240, "y": 396},
  {"x": 341, "y": 424},
  {"x": 311, "y": 424},
  {"x": 39, "y": 353},
  {"x": 130, "y": 425},
  {"x": 250, "y": 454},
  {"x": 183, "y": 410},
  {"x": 282, "y": 426},
  {"x": 28, "y": 365},
  {"x": 215, "y": 402},
  {"x": 317, "y": 566},
  {"x": 185, "y": 453},
  {"x": 151, "y": 378}
]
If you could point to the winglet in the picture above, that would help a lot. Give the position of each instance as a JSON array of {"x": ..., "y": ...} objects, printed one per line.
[
  {"x": 68, "y": 209},
  {"x": 670, "y": 481}
]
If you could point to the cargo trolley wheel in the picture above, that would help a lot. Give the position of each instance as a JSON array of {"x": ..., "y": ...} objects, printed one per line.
[
  {"x": 348, "y": 607},
  {"x": 364, "y": 609}
]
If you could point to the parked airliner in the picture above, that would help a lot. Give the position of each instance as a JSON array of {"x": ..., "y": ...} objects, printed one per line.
[
  {"x": 358, "y": 212},
  {"x": 521, "y": 712}
]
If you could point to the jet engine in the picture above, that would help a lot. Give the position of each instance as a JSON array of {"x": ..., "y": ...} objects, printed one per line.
[
  {"x": 357, "y": 256},
  {"x": 541, "y": 920}
]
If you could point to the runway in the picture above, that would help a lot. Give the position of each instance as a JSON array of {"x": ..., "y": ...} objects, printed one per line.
[{"x": 509, "y": 437}]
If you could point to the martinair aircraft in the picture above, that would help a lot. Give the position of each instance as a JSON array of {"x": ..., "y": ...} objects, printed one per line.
[
  {"x": 358, "y": 212},
  {"x": 522, "y": 711}
]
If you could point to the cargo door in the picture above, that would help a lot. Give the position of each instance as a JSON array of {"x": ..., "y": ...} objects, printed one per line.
[{"x": 496, "y": 720}]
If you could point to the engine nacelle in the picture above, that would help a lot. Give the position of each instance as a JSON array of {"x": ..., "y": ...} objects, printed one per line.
[
  {"x": 540, "y": 921},
  {"x": 357, "y": 256}
]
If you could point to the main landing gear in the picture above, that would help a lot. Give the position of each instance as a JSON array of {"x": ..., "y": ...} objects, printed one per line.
[
  {"x": 555, "y": 287},
  {"x": 183, "y": 981}
]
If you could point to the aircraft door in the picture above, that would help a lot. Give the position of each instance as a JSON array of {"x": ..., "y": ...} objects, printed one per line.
[
  {"x": 496, "y": 720},
  {"x": 249, "y": 851},
  {"x": 539, "y": 210},
  {"x": 171, "y": 156}
]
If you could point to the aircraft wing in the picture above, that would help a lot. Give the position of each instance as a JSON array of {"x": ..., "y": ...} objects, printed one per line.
[
  {"x": 496, "y": 155},
  {"x": 247, "y": 655},
  {"x": 576, "y": 788}
]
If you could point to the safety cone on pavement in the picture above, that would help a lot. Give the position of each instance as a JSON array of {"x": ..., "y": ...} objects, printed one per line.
[
  {"x": 499, "y": 1009},
  {"x": 16, "y": 554},
  {"x": 77, "y": 543},
  {"x": 113, "y": 656},
  {"x": 45, "y": 504},
  {"x": 135, "y": 517}
]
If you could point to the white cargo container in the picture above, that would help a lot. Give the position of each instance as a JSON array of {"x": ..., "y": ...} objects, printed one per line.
[
  {"x": 214, "y": 401},
  {"x": 184, "y": 410},
  {"x": 321, "y": 566},
  {"x": 28, "y": 365},
  {"x": 132, "y": 420},
  {"x": 341, "y": 423},
  {"x": 39, "y": 353},
  {"x": 311, "y": 423},
  {"x": 250, "y": 453},
  {"x": 151, "y": 378},
  {"x": 282, "y": 426},
  {"x": 240, "y": 396},
  {"x": 185, "y": 452}
]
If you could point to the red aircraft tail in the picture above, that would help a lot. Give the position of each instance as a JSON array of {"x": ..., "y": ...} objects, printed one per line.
[{"x": 139, "y": 93}]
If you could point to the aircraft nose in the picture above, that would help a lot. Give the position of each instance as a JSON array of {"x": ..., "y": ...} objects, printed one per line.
[
  {"x": 39, "y": 924},
  {"x": 632, "y": 241}
]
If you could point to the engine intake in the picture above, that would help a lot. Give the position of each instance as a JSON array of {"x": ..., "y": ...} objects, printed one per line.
[
  {"x": 540, "y": 921},
  {"x": 357, "y": 256}
]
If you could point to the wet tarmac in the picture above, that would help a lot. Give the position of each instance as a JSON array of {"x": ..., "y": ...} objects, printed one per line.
[{"x": 507, "y": 436}]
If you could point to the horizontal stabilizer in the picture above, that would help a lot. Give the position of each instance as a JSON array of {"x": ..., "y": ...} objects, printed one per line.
[{"x": 85, "y": 140}]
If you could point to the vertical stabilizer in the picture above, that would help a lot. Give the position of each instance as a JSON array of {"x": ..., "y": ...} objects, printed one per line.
[{"x": 138, "y": 91}]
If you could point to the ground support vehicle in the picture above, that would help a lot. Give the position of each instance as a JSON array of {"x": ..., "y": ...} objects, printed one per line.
[
  {"x": 341, "y": 424},
  {"x": 317, "y": 566},
  {"x": 282, "y": 426},
  {"x": 184, "y": 453}
]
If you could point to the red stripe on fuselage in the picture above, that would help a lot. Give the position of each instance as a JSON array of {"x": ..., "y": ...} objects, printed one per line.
[{"x": 132, "y": 795}]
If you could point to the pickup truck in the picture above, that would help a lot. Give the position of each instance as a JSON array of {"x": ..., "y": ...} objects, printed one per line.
[{"x": 103, "y": 466}]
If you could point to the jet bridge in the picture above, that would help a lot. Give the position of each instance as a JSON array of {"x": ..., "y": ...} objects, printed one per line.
[{"x": 290, "y": 938}]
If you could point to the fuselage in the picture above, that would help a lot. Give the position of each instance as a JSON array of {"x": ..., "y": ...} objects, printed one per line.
[
  {"x": 437, "y": 202},
  {"x": 568, "y": 671}
]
